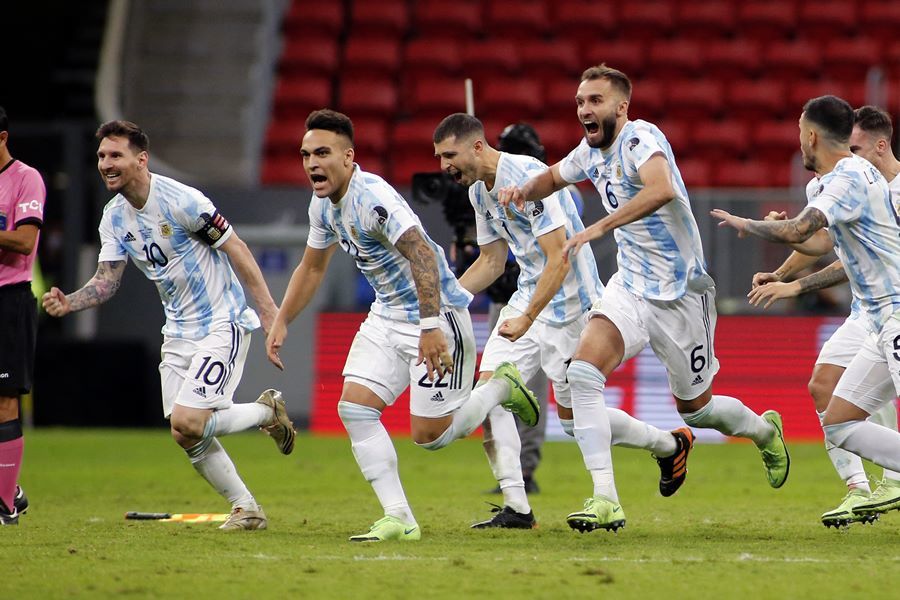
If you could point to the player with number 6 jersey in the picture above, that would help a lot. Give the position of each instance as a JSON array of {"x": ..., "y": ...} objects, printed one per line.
[{"x": 177, "y": 238}]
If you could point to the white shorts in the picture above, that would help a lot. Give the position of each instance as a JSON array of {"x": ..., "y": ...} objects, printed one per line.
[
  {"x": 843, "y": 344},
  {"x": 203, "y": 373},
  {"x": 384, "y": 354},
  {"x": 545, "y": 347},
  {"x": 872, "y": 378},
  {"x": 680, "y": 332}
]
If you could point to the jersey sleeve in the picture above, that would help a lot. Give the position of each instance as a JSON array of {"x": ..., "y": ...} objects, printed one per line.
[
  {"x": 29, "y": 207},
  {"x": 198, "y": 215},
  {"x": 484, "y": 234},
  {"x": 835, "y": 199},
  {"x": 387, "y": 216},
  {"x": 320, "y": 236},
  {"x": 111, "y": 248},
  {"x": 640, "y": 146},
  {"x": 547, "y": 214},
  {"x": 573, "y": 168}
]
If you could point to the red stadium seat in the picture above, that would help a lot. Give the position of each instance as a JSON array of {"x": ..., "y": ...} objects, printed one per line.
[
  {"x": 559, "y": 136},
  {"x": 645, "y": 21},
  {"x": 626, "y": 55},
  {"x": 695, "y": 173},
  {"x": 371, "y": 58},
  {"x": 305, "y": 56},
  {"x": 788, "y": 61},
  {"x": 375, "y": 98},
  {"x": 849, "y": 59},
  {"x": 414, "y": 136},
  {"x": 382, "y": 18},
  {"x": 726, "y": 60},
  {"x": 695, "y": 100},
  {"x": 825, "y": 19},
  {"x": 801, "y": 91},
  {"x": 509, "y": 99},
  {"x": 679, "y": 134},
  {"x": 674, "y": 59},
  {"x": 752, "y": 173},
  {"x": 516, "y": 19},
  {"x": 283, "y": 138},
  {"x": 715, "y": 139},
  {"x": 403, "y": 167},
  {"x": 437, "y": 97},
  {"x": 756, "y": 99},
  {"x": 461, "y": 19},
  {"x": 766, "y": 20},
  {"x": 559, "y": 96},
  {"x": 311, "y": 17},
  {"x": 880, "y": 20},
  {"x": 484, "y": 60},
  {"x": 547, "y": 60},
  {"x": 776, "y": 140},
  {"x": 283, "y": 170},
  {"x": 704, "y": 21},
  {"x": 372, "y": 163},
  {"x": 370, "y": 135},
  {"x": 296, "y": 97},
  {"x": 432, "y": 57},
  {"x": 648, "y": 99},
  {"x": 584, "y": 21}
]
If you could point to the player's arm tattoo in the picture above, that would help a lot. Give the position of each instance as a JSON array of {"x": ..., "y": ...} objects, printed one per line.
[
  {"x": 796, "y": 230},
  {"x": 102, "y": 286},
  {"x": 831, "y": 275},
  {"x": 424, "y": 271}
]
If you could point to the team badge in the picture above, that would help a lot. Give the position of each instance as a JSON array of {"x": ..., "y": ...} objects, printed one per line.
[
  {"x": 619, "y": 171},
  {"x": 165, "y": 229}
]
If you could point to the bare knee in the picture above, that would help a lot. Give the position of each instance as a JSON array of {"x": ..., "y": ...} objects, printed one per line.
[
  {"x": 820, "y": 392},
  {"x": 186, "y": 429}
]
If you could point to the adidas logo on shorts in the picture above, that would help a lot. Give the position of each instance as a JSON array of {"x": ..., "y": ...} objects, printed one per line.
[
  {"x": 200, "y": 391},
  {"x": 439, "y": 397},
  {"x": 697, "y": 380}
]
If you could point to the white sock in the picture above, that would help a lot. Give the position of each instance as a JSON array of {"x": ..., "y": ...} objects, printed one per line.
[
  {"x": 376, "y": 457},
  {"x": 592, "y": 430},
  {"x": 729, "y": 416},
  {"x": 849, "y": 466},
  {"x": 886, "y": 416},
  {"x": 214, "y": 465},
  {"x": 475, "y": 410},
  {"x": 628, "y": 432},
  {"x": 503, "y": 446},
  {"x": 568, "y": 426},
  {"x": 237, "y": 417},
  {"x": 868, "y": 440}
]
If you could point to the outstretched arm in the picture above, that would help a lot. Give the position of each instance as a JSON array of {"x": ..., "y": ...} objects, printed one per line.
[
  {"x": 790, "y": 231},
  {"x": 540, "y": 186},
  {"x": 101, "y": 287},
  {"x": 433, "y": 347},
  {"x": 833, "y": 274}
]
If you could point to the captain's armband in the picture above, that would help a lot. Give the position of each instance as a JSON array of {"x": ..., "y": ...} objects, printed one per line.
[{"x": 211, "y": 228}]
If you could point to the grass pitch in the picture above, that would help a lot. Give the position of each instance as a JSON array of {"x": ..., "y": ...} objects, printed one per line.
[{"x": 725, "y": 534}]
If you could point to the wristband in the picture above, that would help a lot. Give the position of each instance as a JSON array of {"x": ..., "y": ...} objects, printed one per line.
[{"x": 429, "y": 323}]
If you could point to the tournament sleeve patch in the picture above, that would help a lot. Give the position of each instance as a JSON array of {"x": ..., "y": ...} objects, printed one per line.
[
  {"x": 381, "y": 214},
  {"x": 210, "y": 229}
]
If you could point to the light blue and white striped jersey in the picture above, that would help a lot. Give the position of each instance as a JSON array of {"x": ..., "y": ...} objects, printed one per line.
[
  {"x": 582, "y": 285},
  {"x": 660, "y": 256},
  {"x": 198, "y": 288},
  {"x": 367, "y": 222},
  {"x": 856, "y": 201}
]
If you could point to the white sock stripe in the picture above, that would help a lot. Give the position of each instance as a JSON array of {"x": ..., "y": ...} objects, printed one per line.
[
  {"x": 350, "y": 411},
  {"x": 584, "y": 371},
  {"x": 209, "y": 429},
  {"x": 200, "y": 448}
]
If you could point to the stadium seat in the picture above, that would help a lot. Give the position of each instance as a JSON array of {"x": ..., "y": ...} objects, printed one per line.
[
  {"x": 801, "y": 91},
  {"x": 880, "y": 20},
  {"x": 296, "y": 97},
  {"x": 370, "y": 135},
  {"x": 484, "y": 60},
  {"x": 756, "y": 100},
  {"x": 792, "y": 60},
  {"x": 432, "y": 57},
  {"x": 704, "y": 21},
  {"x": 674, "y": 59},
  {"x": 559, "y": 96},
  {"x": 283, "y": 170},
  {"x": 778, "y": 140},
  {"x": 679, "y": 134},
  {"x": 648, "y": 99},
  {"x": 726, "y": 60},
  {"x": 559, "y": 136},
  {"x": 645, "y": 21},
  {"x": 892, "y": 60},
  {"x": 715, "y": 139},
  {"x": 374, "y": 98},
  {"x": 509, "y": 99},
  {"x": 404, "y": 166},
  {"x": 584, "y": 21},
  {"x": 524, "y": 20},
  {"x": 437, "y": 97},
  {"x": 826, "y": 19},
  {"x": 309, "y": 56},
  {"x": 437, "y": 18},
  {"x": 751, "y": 173},
  {"x": 377, "y": 58},
  {"x": 695, "y": 172},
  {"x": 311, "y": 17},
  {"x": 283, "y": 137},
  {"x": 849, "y": 59},
  {"x": 414, "y": 136},
  {"x": 385, "y": 18},
  {"x": 694, "y": 100},
  {"x": 548, "y": 60},
  {"x": 766, "y": 20},
  {"x": 627, "y": 55},
  {"x": 371, "y": 162}
]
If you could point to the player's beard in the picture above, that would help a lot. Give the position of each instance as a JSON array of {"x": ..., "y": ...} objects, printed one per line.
[
  {"x": 809, "y": 162},
  {"x": 608, "y": 127}
]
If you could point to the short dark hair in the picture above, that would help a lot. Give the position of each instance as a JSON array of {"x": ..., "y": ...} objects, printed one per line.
[
  {"x": 137, "y": 139},
  {"x": 4, "y": 120},
  {"x": 458, "y": 125},
  {"x": 833, "y": 115},
  {"x": 331, "y": 120},
  {"x": 521, "y": 138},
  {"x": 616, "y": 77},
  {"x": 872, "y": 119}
]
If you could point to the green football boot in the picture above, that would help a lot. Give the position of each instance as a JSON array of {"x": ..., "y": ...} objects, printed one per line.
[
  {"x": 599, "y": 513},
  {"x": 389, "y": 528},
  {"x": 844, "y": 514},
  {"x": 775, "y": 453},
  {"x": 521, "y": 401},
  {"x": 885, "y": 497}
]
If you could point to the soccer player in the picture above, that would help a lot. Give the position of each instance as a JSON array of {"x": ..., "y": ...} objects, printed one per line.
[
  {"x": 660, "y": 295},
  {"x": 870, "y": 139},
  {"x": 177, "y": 238},
  {"x": 540, "y": 326},
  {"x": 418, "y": 330},
  {"x": 853, "y": 201},
  {"x": 22, "y": 197}
]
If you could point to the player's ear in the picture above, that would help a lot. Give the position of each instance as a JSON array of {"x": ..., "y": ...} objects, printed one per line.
[
  {"x": 622, "y": 108},
  {"x": 143, "y": 158},
  {"x": 881, "y": 145},
  {"x": 349, "y": 153}
]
